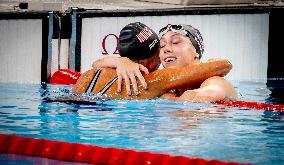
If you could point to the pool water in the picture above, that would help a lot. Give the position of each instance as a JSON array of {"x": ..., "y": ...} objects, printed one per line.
[{"x": 202, "y": 130}]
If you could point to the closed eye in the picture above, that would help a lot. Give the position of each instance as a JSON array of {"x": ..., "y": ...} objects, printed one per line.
[
  {"x": 162, "y": 44},
  {"x": 176, "y": 40}
]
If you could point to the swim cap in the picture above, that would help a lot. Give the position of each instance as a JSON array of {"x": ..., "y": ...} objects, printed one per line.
[
  {"x": 187, "y": 30},
  {"x": 137, "y": 41}
]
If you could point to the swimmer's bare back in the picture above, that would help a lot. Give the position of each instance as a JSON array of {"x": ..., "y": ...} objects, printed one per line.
[{"x": 159, "y": 81}]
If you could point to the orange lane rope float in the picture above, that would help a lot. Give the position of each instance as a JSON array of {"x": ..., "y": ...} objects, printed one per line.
[{"x": 76, "y": 152}]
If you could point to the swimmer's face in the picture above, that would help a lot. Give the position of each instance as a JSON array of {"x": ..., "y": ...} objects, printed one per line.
[{"x": 176, "y": 50}]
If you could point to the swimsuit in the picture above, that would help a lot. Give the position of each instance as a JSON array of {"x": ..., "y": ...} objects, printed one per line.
[{"x": 94, "y": 81}]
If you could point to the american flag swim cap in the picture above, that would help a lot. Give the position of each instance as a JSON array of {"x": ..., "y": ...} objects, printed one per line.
[{"x": 137, "y": 41}]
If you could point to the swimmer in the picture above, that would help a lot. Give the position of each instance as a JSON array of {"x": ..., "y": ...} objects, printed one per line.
[
  {"x": 141, "y": 44},
  {"x": 182, "y": 45}
]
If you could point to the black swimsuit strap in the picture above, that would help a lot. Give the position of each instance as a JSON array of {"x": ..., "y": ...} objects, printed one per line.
[
  {"x": 107, "y": 86},
  {"x": 93, "y": 82}
]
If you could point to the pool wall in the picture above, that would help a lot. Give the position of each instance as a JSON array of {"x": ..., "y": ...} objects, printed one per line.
[
  {"x": 20, "y": 50},
  {"x": 35, "y": 45}
]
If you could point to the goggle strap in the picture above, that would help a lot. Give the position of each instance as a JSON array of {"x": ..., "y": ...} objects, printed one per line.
[{"x": 194, "y": 43}]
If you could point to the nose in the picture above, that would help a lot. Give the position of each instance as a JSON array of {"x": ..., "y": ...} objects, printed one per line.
[{"x": 167, "y": 48}]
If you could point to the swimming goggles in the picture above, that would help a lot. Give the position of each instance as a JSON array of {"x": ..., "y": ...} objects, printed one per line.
[{"x": 174, "y": 28}]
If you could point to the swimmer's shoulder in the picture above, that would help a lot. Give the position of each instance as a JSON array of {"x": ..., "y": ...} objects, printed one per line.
[{"x": 222, "y": 84}]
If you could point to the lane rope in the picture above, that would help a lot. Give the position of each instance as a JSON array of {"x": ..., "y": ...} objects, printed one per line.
[
  {"x": 84, "y": 153},
  {"x": 64, "y": 77},
  {"x": 253, "y": 105}
]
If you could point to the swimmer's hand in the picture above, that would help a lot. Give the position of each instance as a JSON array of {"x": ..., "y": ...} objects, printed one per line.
[
  {"x": 129, "y": 70},
  {"x": 126, "y": 69}
]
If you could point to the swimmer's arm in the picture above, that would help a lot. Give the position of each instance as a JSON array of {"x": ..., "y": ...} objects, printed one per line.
[
  {"x": 125, "y": 69},
  {"x": 170, "y": 96},
  {"x": 106, "y": 61},
  {"x": 213, "y": 89}
]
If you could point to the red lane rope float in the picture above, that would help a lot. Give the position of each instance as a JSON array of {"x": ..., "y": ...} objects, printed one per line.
[
  {"x": 254, "y": 105},
  {"x": 84, "y": 153},
  {"x": 65, "y": 76}
]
